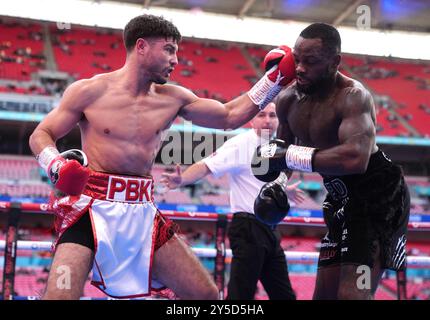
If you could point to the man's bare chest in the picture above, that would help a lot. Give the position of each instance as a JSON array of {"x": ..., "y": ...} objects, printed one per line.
[
  {"x": 130, "y": 120},
  {"x": 314, "y": 124}
]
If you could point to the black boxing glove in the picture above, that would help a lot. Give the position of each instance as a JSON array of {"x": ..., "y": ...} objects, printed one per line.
[
  {"x": 271, "y": 158},
  {"x": 76, "y": 154},
  {"x": 271, "y": 205}
]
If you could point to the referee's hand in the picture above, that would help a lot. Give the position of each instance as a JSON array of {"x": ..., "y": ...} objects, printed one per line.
[
  {"x": 172, "y": 180},
  {"x": 294, "y": 193}
]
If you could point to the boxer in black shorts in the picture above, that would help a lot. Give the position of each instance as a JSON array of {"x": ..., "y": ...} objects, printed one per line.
[
  {"x": 327, "y": 125},
  {"x": 367, "y": 217}
]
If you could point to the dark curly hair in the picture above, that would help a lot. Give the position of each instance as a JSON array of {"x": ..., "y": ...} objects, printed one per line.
[
  {"x": 328, "y": 34},
  {"x": 149, "y": 26}
]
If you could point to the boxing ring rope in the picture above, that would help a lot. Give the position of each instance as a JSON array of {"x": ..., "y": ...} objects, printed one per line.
[
  {"x": 206, "y": 216},
  {"x": 11, "y": 245},
  {"x": 302, "y": 256}
]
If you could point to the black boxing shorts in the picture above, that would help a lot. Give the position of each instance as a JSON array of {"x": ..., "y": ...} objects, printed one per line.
[{"x": 363, "y": 212}]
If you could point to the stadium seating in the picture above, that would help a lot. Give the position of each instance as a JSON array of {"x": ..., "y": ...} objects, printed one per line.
[
  {"x": 416, "y": 289},
  {"x": 219, "y": 69},
  {"x": 306, "y": 244},
  {"x": 21, "y": 50},
  {"x": 401, "y": 81},
  {"x": 84, "y": 52}
]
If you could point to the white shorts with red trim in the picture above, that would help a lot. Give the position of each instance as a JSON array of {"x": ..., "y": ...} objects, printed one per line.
[{"x": 123, "y": 222}]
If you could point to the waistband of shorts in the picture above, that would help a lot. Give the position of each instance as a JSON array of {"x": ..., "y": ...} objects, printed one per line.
[
  {"x": 377, "y": 160},
  {"x": 120, "y": 188},
  {"x": 243, "y": 214}
]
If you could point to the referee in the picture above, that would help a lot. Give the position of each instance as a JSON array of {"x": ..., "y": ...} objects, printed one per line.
[{"x": 257, "y": 253}]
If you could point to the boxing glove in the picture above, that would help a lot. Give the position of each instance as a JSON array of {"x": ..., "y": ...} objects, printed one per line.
[
  {"x": 271, "y": 205},
  {"x": 67, "y": 171},
  {"x": 280, "y": 71},
  {"x": 271, "y": 158}
]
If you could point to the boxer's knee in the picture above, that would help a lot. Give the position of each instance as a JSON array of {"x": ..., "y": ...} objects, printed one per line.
[
  {"x": 351, "y": 292},
  {"x": 206, "y": 289},
  {"x": 61, "y": 295},
  {"x": 354, "y": 284},
  {"x": 210, "y": 293},
  {"x": 69, "y": 271}
]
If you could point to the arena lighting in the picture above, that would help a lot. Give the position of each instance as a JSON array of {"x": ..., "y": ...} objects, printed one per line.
[
  {"x": 397, "y": 9},
  {"x": 216, "y": 26}
]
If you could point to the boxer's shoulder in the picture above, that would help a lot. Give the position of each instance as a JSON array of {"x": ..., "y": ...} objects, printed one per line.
[
  {"x": 352, "y": 87},
  {"x": 357, "y": 96},
  {"x": 289, "y": 93},
  {"x": 353, "y": 96},
  {"x": 81, "y": 94},
  {"x": 286, "y": 99},
  {"x": 86, "y": 91},
  {"x": 179, "y": 93}
]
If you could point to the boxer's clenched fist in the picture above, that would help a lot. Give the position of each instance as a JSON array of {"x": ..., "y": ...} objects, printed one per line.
[{"x": 280, "y": 71}]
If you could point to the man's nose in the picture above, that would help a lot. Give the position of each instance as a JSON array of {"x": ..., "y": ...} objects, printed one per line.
[
  {"x": 300, "y": 69},
  {"x": 174, "y": 61},
  {"x": 267, "y": 120}
]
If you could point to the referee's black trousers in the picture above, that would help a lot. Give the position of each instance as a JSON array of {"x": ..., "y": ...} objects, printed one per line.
[{"x": 257, "y": 255}]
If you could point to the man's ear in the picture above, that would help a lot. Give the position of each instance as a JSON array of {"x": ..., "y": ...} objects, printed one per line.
[
  {"x": 337, "y": 59},
  {"x": 334, "y": 63},
  {"x": 141, "y": 45}
]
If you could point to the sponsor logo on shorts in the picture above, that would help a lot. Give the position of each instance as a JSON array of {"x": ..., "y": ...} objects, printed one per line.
[
  {"x": 340, "y": 213},
  {"x": 329, "y": 245},
  {"x": 129, "y": 189},
  {"x": 327, "y": 254},
  {"x": 399, "y": 254},
  {"x": 386, "y": 157},
  {"x": 337, "y": 189},
  {"x": 344, "y": 234}
]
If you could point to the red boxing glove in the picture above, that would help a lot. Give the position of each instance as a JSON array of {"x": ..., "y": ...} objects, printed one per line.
[
  {"x": 281, "y": 61},
  {"x": 68, "y": 172},
  {"x": 280, "y": 71}
]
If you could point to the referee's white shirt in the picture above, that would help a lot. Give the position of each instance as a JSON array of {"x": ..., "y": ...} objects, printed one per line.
[{"x": 234, "y": 158}]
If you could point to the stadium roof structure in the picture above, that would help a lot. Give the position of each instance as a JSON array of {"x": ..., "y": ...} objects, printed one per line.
[
  {"x": 390, "y": 28},
  {"x": 405, "y": 15}
]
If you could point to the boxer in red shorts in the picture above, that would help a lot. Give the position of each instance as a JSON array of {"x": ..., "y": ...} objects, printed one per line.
[{"x": 106, "y": 218}]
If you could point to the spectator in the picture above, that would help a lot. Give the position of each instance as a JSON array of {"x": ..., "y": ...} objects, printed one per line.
[
  {"x": 99, "y": 53},
  {"x": 211, "y": 59}
]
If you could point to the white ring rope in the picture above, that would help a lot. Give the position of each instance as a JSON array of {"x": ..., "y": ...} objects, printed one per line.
[{"x": 211, "y": 253}]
